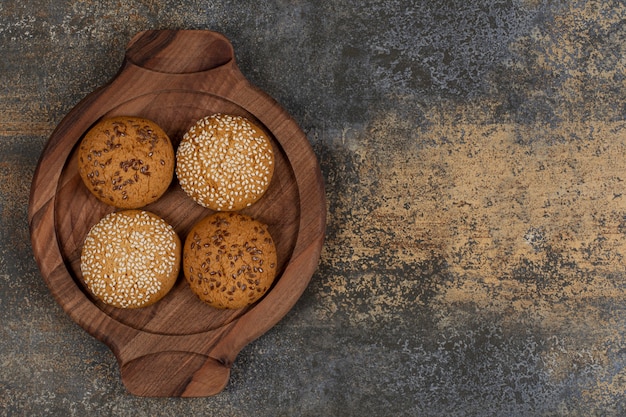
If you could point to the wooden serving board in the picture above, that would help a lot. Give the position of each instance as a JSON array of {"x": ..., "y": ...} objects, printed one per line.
[{"x": 179, "y": 346}]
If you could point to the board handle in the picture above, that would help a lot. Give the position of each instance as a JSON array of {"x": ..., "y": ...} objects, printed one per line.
[
  {"x": 180, "y": 51},
  {"x": 175, "y": 373}
]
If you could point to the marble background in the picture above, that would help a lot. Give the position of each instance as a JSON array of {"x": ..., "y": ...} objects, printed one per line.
[{"x": 473, "y": 156}]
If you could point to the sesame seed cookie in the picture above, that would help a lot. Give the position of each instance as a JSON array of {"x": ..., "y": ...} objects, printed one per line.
[
  {"x": 126, "y": 162},
  {"x": 229, "y": 260},
  {"x": 225, "y": 162},
  {"x": 131, "y": 259}
]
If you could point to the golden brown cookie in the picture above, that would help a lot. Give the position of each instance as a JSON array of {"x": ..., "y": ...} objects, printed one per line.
[
  {"x": 225, "y": 162},
  {"x": 126, "y": 162},
  {"x": 229, "y": 260},
  {"x": 130, "y": 259}
]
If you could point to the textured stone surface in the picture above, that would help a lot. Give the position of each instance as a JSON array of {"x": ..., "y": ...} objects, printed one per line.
[{"x": 473, "y": 154}]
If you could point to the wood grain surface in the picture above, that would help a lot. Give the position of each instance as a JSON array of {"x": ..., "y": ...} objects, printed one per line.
[{"x": 179, "y": 346}]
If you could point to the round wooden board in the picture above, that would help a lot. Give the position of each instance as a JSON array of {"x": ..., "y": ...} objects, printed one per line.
[{"x": 179, "y": 346}]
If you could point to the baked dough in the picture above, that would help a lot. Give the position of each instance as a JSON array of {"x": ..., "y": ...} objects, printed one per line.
[
  {"x": 225, "y": 162},
  {"x": 126, "y": 162},
  {"x": 229, "y": 260},
  {"x": 130, "y": 259}
]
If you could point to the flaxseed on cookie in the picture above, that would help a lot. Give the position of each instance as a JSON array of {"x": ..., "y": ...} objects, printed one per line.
[
  {"x": 127, "y": 162},
  {"x": 225, "y": 162},
  {"x": 229, "y": 260}
]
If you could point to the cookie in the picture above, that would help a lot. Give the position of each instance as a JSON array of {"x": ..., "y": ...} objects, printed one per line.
[
  {"x": 126, "y": 162},
  {"x": 130, "y": 259},
  {"x": 229, "y": 260},
  {"x": 225, "y": 162}
]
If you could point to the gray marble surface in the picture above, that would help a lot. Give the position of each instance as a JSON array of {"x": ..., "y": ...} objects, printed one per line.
[{"x": 473, "y": 155}]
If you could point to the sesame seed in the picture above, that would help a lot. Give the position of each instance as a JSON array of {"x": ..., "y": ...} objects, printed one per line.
[
  {"x": 220, "y": 158},
  {"x": 135, "y": 248}
]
